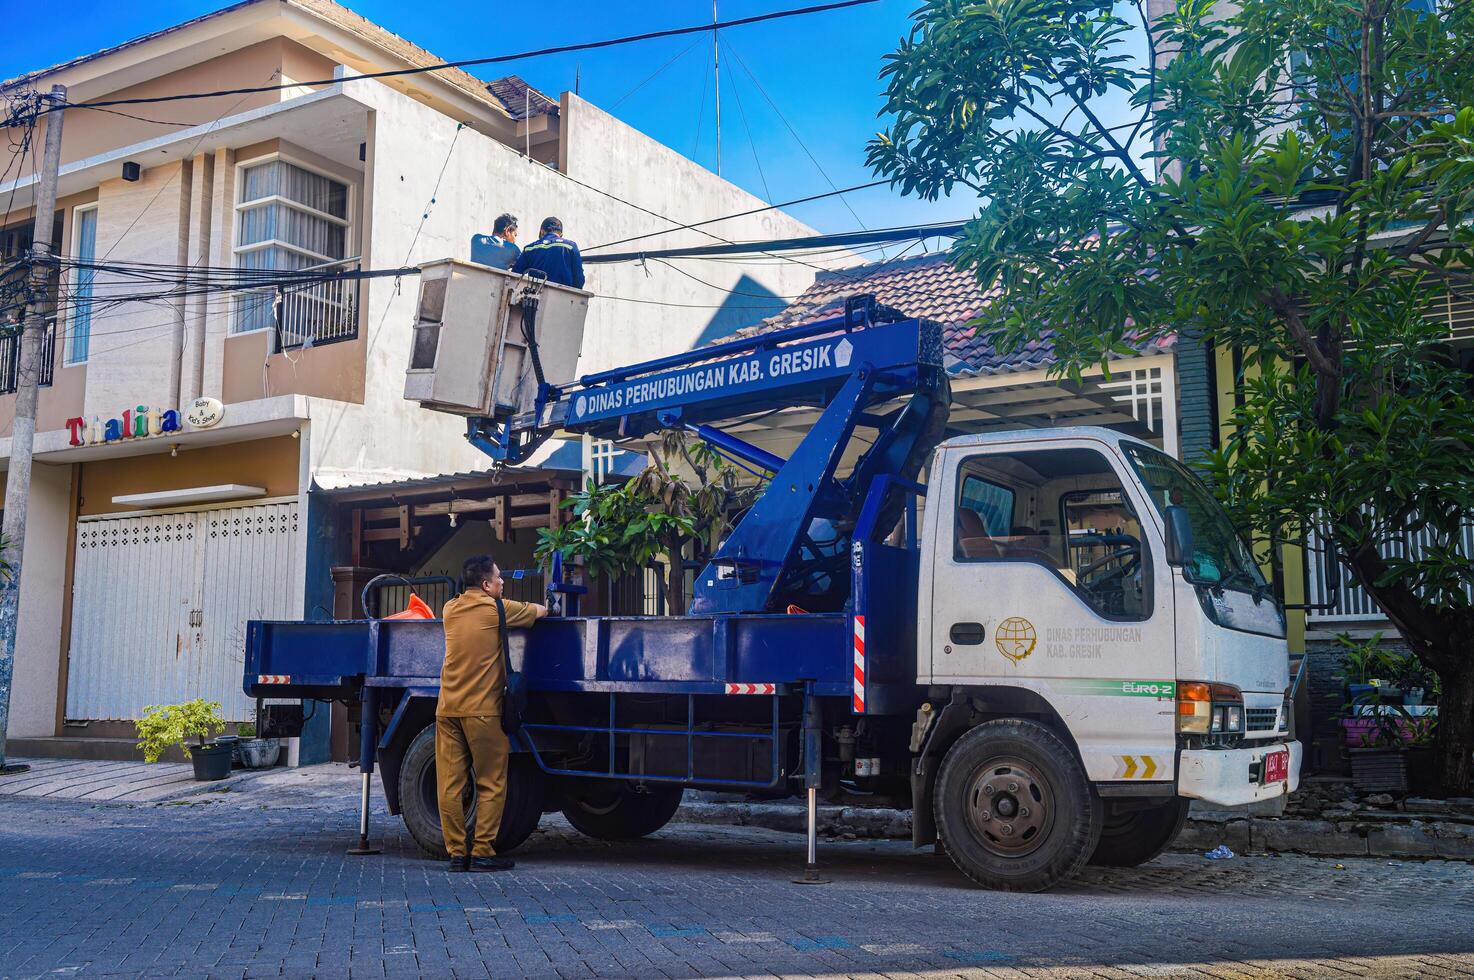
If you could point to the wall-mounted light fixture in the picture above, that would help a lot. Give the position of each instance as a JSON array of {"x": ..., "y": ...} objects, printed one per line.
[{"x": 132, "y": 171}]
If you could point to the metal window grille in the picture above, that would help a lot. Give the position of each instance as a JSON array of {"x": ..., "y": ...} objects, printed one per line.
[
  {"x": 1353, "y": 602},
  {"x": 10, "y": 358}
]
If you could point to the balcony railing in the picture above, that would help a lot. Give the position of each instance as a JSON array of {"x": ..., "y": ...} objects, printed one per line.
[
  {"x": 322, "y": 313},
  {"x": 1353, "y": 603},
  {"x": 10, "y": 357}
]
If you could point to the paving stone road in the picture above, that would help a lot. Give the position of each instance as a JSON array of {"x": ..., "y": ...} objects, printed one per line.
[{"x": 252, "y": 881}]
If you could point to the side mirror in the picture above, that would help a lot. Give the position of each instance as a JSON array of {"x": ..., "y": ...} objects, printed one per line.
[{"x": 1179, "y": 535}]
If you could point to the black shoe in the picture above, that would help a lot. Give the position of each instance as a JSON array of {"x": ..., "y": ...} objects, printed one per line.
[
  {"x": 459, "y": 864},
  {"x": 493, "y": 863}
]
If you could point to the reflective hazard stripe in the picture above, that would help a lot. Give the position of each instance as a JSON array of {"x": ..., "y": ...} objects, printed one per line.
[
  {"x": 273, "y": 679},
  {"x": 752, "y": 688},
  {"x": 1137, "y": 767},
  {"x": 859, "y": 665}
]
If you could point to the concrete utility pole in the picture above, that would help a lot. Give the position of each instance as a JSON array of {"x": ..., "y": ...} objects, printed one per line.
[
  {"x": 716, "y": 71},
  {"x": 28, "y": 377}
]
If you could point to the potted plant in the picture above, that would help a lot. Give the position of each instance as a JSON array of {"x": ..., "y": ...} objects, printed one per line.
[
  {"x": 165, "y": 725},
  {"x": 257, "y": 753}
]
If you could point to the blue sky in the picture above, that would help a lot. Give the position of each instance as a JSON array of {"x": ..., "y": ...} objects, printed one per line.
[{"x": 820, "y": 71}]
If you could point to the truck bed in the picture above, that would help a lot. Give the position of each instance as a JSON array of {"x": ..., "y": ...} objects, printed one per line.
[{"x": 677, "y": 654}]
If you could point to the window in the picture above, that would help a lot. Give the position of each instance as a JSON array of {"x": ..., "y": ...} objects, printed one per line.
[
  {"x": 288, "y": 218},
  {"x": 1220, "y": 557},
  {"x": 1095, "y": 546},
  {"x": 79, "y": 335}
]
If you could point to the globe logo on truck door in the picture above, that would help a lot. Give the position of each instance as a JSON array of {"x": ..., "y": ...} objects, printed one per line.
[{"x": 1016, "y": 638}]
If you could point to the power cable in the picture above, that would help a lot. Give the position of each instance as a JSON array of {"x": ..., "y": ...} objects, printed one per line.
[
  {"x": 726, "y": 217},
  {"x": 799, "y": 139},
  {"x": 651, "y": 77},
  {"x": 756, "y": 159},
  {"x": 496, "y": 59},
  {"x": 701, "y": 108}
]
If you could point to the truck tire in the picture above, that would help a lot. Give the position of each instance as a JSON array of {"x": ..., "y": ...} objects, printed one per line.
[
  {"x": 1129, "y": 837},
  {"x": 420, "y": 807},
  {"x": 612, "y": 810},
  {"x": 1014, "y": 808}
]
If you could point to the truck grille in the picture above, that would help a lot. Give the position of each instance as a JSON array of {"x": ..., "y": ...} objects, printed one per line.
[{"x": 1261, "y": 719}]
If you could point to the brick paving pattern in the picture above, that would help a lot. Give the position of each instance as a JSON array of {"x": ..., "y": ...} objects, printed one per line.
[{"x": 250, "y": 883}]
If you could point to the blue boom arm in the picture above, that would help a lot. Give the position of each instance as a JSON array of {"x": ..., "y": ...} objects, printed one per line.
[{"x": 789, "y": 544}]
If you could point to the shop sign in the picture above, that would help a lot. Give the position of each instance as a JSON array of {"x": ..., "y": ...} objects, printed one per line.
[{"x": 143, "y": 422}]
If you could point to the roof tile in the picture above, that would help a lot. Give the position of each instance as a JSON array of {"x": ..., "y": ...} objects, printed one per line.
[{"x": 930, "y": 287}]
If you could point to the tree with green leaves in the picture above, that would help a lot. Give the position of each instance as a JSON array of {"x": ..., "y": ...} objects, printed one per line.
[
  {"x": 1294, "y": 179},
  {"x": 686, "y": 495}
]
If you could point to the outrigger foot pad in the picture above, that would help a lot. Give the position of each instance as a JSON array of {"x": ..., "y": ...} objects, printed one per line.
[{"x": 811, "y": 876}]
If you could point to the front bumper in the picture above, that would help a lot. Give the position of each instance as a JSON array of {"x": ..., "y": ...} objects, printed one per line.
[{"x": 1229, "y": 777}]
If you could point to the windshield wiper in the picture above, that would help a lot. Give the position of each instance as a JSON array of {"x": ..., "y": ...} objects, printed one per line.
[{"x": 1254, "y": 588}]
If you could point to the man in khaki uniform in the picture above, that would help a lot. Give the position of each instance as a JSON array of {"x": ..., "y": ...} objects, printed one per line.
[{"x": 468, "y": 724}]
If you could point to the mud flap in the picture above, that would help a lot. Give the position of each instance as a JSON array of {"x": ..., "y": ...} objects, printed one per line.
[{"x": 954, "y": 719}]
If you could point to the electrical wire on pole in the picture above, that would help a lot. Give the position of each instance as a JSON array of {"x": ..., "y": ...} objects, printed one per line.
[
  {"x": 492, "y": 60},
  {"x": 716, "y": 77},
  {"x": 23, "y": 427}
]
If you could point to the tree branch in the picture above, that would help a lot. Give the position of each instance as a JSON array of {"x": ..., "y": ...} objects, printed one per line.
[{"x": 1288, "y": 310}]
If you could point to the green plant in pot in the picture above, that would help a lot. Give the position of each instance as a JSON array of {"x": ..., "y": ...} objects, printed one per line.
[
  {"x": 257, "y": 753},
  {"x": 166, "y": 725}
]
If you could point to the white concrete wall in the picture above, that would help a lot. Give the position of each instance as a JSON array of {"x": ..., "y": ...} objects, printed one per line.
[
  {"x": 43, "y": 583},
  {"x": 388, "y": 438}
]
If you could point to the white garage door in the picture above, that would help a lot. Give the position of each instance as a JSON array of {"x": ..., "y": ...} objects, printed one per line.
[{"x": 160, "y": 603}]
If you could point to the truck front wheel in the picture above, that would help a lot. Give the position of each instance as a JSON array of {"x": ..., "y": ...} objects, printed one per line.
[
  {"x": 611, "y": 810},
  {"x": 1134, "y": 834},
  {"x": 420, "y": 806},
  {"x": 1014, "y": 807}
]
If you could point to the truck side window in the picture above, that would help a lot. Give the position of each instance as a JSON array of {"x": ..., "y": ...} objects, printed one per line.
[{"x": 1069, "y": 513}]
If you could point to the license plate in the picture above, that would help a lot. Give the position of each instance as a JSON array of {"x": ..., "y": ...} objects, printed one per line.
[{"x": 1277, "y": 766}]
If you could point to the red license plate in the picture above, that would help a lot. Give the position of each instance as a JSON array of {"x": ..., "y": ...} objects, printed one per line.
[{"x": 1277, "y": 766}]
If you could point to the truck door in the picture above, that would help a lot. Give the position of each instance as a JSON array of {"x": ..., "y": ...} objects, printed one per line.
[{"x": 1050, "y": 576}]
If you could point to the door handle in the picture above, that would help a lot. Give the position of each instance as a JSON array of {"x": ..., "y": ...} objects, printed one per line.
[{"x": 967, "y": 634}]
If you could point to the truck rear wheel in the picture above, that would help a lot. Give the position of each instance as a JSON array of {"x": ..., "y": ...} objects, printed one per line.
[
  {"x": 420, "y": 806},
  {"x": 611, "y": 810},
  {"x": 1013, "y": 807},
  {"x": 1134, "y": 835}
]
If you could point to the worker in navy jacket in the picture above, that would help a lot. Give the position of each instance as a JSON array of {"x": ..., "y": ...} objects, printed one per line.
[
  {"x": 499, "y": 249},
  {"x": 553, "y": 255}
]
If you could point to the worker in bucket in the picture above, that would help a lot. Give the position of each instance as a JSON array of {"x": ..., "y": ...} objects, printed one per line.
[
  {"x": 499, "y": 249},
  {"x": 554, "y": 256},
  {"x": 470, "y": 741}
]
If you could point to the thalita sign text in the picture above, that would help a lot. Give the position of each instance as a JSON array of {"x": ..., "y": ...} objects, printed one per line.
[{"x": 142, "y": 422}]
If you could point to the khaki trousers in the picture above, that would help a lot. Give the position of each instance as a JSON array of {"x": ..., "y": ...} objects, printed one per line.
[{"x": 463, "y": 747}]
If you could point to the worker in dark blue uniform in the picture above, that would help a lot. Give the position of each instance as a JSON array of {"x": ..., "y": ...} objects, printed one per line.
[
  {"x": 553, "y": 255},
  {"x": 499, "y": 249}
]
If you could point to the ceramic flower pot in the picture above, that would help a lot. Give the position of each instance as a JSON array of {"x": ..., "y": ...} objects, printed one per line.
[{"x": 260, "y": 753}]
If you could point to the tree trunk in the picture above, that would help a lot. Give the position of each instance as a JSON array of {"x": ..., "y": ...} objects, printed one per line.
[
  {"x": 675, "y": 580},
  {"x": 1456, "y": 727}
]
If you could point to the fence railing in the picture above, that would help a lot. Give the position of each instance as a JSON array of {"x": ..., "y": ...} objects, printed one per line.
[
  {"x": 1352, "y": 601},
  {"x": 322, "y": 313},
  {"x": 10, "y": 357}
]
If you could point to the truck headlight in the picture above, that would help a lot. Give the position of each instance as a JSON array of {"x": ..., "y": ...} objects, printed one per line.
[{"x": 1209, "y": 709}]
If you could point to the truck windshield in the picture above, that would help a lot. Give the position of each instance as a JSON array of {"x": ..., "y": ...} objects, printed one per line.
[{"x": 1220, "y": 556}]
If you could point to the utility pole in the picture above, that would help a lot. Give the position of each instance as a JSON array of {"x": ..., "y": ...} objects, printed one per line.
[
  {"x": 716, "y": 70},
  {"x": 28, "y": 376}
]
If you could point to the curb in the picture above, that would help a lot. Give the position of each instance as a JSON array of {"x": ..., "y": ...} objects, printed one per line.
[{"x": 1363, "y": 835}]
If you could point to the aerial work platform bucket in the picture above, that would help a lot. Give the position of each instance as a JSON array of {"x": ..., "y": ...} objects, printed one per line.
[{"x": 472, "y": 351}]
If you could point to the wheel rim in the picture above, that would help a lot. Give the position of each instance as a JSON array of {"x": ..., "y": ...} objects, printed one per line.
[{"x": 1010, "y": 807}]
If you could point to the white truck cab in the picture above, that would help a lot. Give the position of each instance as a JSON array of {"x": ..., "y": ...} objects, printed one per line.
[{"x": 1090, "y": 577}]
